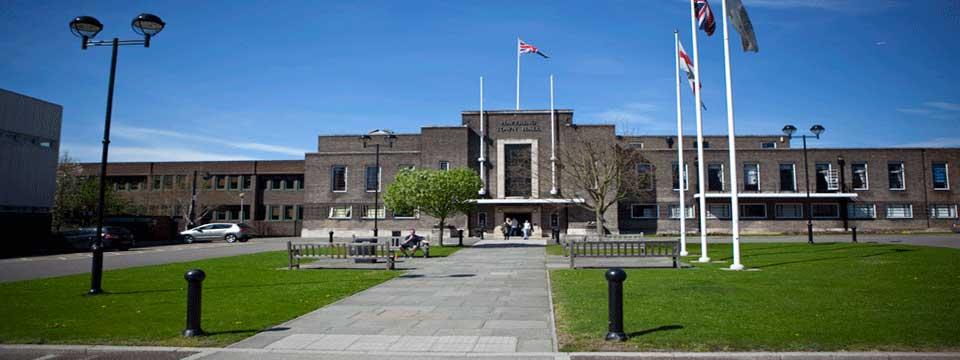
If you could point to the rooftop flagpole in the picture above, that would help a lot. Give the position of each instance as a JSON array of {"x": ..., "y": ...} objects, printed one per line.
[
  {"x": 517, "y": 49},
  {"x": 553, "y": 143},
  {"x": 732, "y": 150},
  {"x": 483, "y": 146},
  {"x": 681, "y": 169},
  {"x": 701, "y": 161}
]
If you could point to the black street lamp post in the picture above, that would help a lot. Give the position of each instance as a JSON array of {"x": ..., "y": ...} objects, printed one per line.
[
  {"x": 816, "y": 130},
  {"x": 86, "y": 28},
  {"x": 390, "y": 139}
]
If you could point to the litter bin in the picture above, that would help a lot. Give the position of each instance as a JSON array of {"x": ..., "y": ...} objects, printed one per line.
[{"x": 368, "y": 248}]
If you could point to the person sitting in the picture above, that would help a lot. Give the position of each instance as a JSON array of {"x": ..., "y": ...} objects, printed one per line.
[{"x": 411, "y": 243}]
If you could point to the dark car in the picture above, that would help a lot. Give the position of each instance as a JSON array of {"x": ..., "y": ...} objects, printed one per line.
[{"x": 114, "y": 237}]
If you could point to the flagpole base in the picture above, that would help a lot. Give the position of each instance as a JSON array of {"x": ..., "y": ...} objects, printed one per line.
[
  {"x": 736, "y": 267},
  {"x": 703, "y": 259},
  {"x": 684, "y": 253}
]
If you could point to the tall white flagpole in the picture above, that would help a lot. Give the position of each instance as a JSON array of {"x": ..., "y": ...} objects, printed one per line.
[
  {"x": 553, "y": 143},
  {"x": 483, "y": 146},
  {"x": 518, "y": 73},
  {"x": 701, "y": 186},
  {"x": 732, "y": 149},
  {"x": 680, "y": 166}
]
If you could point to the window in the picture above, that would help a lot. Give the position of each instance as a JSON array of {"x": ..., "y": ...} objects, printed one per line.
[
  {"x": 369, "y": 212},
  {"x": 714, "y": 177},
  {"x": 482, "y": 220},
  {"x": 643, "y": 211},
  {"x": 675, "y": 212},
  {"x": 414, "y": 214},
  {"x": 220, "y": 182},
  {"x": 706, "y": 144},
  {"x": 788, "y": 211},
  {"x": 635, "y": 145},
  {"x": 753, "y": 211},
  {"x": 338, "y": 178},
  {"x": 676, "y": 177},
  {"x": 645, "y": 176},
  {"x": 751, "y": 177},
  {"x": 247, "y": 182},
  {"x": 157, "y": 181},
  {"x": 940, "y": 176},
  {"x": 221, "y": 215},
  {"x": 825, "y": 211},
  {"x": 861, "y": 211},
  {"x": 233, "y": 182},
  {"x": 275, "y": 184},
  {"x": 341, "y": 212},
  {"x": 768, "y": 145},
  {"x": 899, "y": 211},
  {"x": 299, "y": 212},
  {"x": 943, "y": 211},
  {"x": 861, "y": 180},
  {"x": 718, "y": 211},
  {"x": 788, "y": 178},
  {"x": 895, "y": 172},
  {"x": 372, "y": 179},
  {"x": 289, "y": 212},
  {"x": 406, "y": 167},
  {"x": 518, "y": 169},
  {"x": 444, "y": 165},
  {"x": 181, "y": 181},
  {"x": 273, "y": 212},
  {"x": 824, "y": 176}
]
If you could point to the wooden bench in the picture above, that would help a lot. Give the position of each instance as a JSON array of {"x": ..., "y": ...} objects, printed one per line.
[
  {"x": 395, "y": 242},
  {"x": 623, "y": 249},
  {"x": 565, "y": 243},
  {"x": 334, "y": 250}
]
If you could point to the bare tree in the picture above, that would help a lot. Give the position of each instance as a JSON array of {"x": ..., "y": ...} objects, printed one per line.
[{"x": 601, "y": 173}]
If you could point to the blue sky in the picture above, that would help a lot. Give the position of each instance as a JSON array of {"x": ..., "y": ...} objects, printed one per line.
[{"x": 260, "y": 79}]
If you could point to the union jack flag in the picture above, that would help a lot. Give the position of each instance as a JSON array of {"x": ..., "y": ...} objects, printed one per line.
[
  {"x": 529, "y": 48},
  {"x": 705, "y": 17}
]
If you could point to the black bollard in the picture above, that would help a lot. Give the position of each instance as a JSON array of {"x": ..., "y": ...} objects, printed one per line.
[
  {"x": 331, "y": 237},
  {"x": 615, "y": 278},
  {"x": 194, "y": 286},
  {"x": 556, "y": 235},
  {"x": 854, "y": 233},
  {"x": 460, "y": 237}
]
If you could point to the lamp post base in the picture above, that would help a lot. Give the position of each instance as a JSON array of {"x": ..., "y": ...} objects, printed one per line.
[{"x": 616, "y": 336}]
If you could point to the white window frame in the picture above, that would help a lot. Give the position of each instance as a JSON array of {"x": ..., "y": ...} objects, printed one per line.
[
  {"x": 778, "y": 206},
  {"x": 651, "y": 174},
  {"x": 753, "y": 217},
  {"x": 712, "y": 215},
  {"x": 946, "y": 169},
  {"x": 379, "y": 179},
  {"x": 866, "y": 176},
  {"x": 380, "y": 211},
  {"x": 952, "y": 207},
  {"x": 416, "y": 215},
  {"x": 673, "y": 210},
  {"x": 346, "y": 179},
  {"x": 444, "y": 165},
  {"x": 903, "y": 175},
  {"x": 814, "y": 216},
  {"x": 685, "y": 180},
  {"x": 768, "y": 142},
  {"x": 873, "y": 210},
  {"x": 656, "y": 211},
  {"x": 347, "y": 217},
  {"x": 723, "y": 172},
  {"x": 757, "y": 165},
  {"x": 794, "y": 172},
  {"x": 909, "y": 208}
]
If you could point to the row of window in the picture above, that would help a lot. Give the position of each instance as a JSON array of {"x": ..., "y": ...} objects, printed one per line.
[
  {"x": 217, "y": 182},
  {"x": 283, "y": 212},
  {"x": 827, "y": 179},
  {"x": 34, "y": 140},
  {"x": 345, "y": 212},
  {"x": 372, "y": 176},
  {"x": 706, "y": 144},
  {"x": 795, "y": 211}
]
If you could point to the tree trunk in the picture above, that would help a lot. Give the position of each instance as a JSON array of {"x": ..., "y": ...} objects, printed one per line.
[
  {"x": 599, "y": 215},
  {"x": 442, "y": 222}
]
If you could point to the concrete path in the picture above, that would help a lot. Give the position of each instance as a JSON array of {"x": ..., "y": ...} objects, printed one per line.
[{"x": 492, "y": 298}]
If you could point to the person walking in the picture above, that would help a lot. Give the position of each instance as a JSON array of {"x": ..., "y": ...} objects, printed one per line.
[
  {"x": 514, "y": 227},
  {"x": 505, "y": 228},
  {"x": 526, "y": 229}
]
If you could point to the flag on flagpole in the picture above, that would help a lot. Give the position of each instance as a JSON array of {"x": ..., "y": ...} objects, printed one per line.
[
  {"x": 526, "y": 48},
  {"x": 741, "y": 22},
  {"x": 687, "y": 66},
  {"x": 705, "y": 18}
]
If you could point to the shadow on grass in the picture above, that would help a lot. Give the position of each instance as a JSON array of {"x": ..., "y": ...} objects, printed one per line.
[
  {"x": 135, "y": 292},
  {"x": 653, "y": 330},
  {"x": 885, "y": 252},
  {"x": 755, "y": 255}
]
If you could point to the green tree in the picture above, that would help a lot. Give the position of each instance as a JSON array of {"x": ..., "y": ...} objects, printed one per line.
[
  {"x": 77, "y": 196},
  {"x": 439, "y": 193}
]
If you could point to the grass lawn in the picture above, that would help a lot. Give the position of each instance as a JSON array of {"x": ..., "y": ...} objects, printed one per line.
[
  {"x": 803, "y": 298},
  {"x": 146, "y": 305},
  {"x": 441, "y": 251},
  {"x": 554, "y": 249}
]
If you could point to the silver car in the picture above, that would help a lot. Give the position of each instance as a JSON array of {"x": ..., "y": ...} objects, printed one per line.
[{"x": 216, "y": 231}]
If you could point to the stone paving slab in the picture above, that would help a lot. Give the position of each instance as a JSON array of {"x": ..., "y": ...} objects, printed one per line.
[{"x": 482, "y": 300}]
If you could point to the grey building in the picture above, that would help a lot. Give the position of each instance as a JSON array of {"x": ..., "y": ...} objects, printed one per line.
[{"x": 29, "y": 144}]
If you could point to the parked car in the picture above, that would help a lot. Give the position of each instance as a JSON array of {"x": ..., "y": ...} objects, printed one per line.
[
  {"x": 215, "y": 231},
  {"x": 114, "y": 237}
]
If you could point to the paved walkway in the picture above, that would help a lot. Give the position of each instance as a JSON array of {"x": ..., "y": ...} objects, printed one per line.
[{"x": 492, "y": 298}]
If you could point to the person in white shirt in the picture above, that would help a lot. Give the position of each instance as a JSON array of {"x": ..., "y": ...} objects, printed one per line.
[{"x": 526, "y": 229}]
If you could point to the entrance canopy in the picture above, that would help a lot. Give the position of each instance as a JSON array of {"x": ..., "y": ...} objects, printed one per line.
[{"x": 778, "y": 195}]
